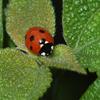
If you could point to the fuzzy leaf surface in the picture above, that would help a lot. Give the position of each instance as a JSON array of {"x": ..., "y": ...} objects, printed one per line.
[
  {"x": 81, "y": 21},
  {"x": 93, "y": 92},
  {"x": 21, "y": 78},
  {"x": 24, "y": 14},
  {"x": 62, "y": 58}
]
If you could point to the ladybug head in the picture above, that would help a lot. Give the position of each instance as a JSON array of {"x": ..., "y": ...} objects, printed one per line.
[{"x": 46, "y": 47}]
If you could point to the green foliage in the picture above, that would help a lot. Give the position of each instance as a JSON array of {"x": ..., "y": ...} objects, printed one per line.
[
  {"x": 63, "y": 58},
  {"x": 26, "y": 76},
  {"x": 81, "y": 20},
  {"x": 76, "y": 17},
  {"x": 93, "y": 92},
  {"x": 88, "y": 49},
  {"x": 23, "y": 14},
  {"x": 1, "y": 25},
  {"x": 21, "y": 78}
]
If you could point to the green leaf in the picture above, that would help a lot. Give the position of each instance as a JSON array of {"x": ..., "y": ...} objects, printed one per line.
[
  {"x": 24, "y": 14},
  {"x": 1, "y": 25},
  {"x": 21, "y": 78},
  {"x": 81, "y": 20},
  {"x": 63, "y": 58},
  {"x": 93, "y": 92}
]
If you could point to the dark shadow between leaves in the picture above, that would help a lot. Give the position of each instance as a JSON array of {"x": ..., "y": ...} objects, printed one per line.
[
  {"x": 7, "y": 42},
  {"x": 68, "y": 85},
  {"x": 59, "y": 29}
]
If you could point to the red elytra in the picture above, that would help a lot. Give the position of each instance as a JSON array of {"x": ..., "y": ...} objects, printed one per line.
[{"x": 33, "y": 37}]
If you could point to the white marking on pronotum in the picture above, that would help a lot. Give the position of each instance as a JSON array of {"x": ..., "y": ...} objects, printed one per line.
[
  {"x": 46, "y": 42},
  {"x": 41, "y": 45},
  {"x": 52, "y": 47},
  {"x": 43, "y": 54},
  {"x": 40, "y": 41}
]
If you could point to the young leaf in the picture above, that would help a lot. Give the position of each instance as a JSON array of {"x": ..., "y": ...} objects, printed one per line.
[
  {"x": 24, "y": 14},
  {"x": 93, "y": 92},
  {"x": 1, "y": 25},
  {"x": 64, "y": 58},
  {"x": 21, "y": 78},
  {"x": 81, "y": 20}
]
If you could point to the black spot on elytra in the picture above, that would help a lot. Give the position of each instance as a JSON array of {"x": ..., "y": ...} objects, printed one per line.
[
  {"x": 31, "y": 47},
  {"x": 41, "y": 31},
  {"x": 32, "y": 38}
]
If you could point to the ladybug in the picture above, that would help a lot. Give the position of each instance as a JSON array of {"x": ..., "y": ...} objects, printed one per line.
[{"x": 39, "y": 41}]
